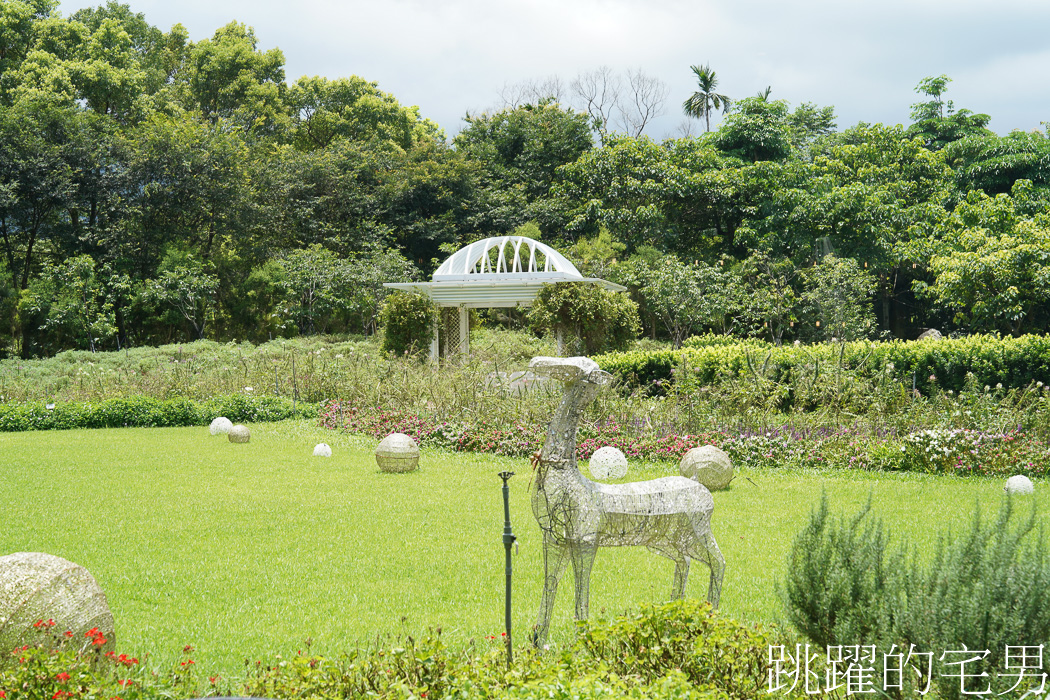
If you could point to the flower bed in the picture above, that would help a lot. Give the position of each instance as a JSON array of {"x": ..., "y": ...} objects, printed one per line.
[{"x": 945, "y": 451}]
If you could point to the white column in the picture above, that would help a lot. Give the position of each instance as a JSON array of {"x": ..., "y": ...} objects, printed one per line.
[
  {"x": 464, "y": 330},
  {"x": 435, "y": 342}
]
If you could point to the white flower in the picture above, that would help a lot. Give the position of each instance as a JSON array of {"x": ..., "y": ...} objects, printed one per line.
[
  {"x": 322, "y": 450},
  {"x": 249, "y": 389}
]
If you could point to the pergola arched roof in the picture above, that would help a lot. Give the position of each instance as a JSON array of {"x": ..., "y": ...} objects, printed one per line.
[{"x": 498, "y": 272}]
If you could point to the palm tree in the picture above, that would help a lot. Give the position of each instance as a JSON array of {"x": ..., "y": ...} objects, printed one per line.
[{"x": 705, "y": 100}]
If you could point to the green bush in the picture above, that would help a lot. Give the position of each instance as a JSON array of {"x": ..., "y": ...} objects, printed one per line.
[
  {"x": 714, "y": 652},
  {"x": 407, "y": 321},
  {"x": 148, "y": 412},
  {"x": 842, "y": 584},
  {"x": 984, "y": 590},
  {"x": 590, "y": 318}
]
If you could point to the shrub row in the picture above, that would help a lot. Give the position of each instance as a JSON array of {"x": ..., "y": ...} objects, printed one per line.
[
  {"x": 149, "y": 412},
  {"x": 1012, "y": 362}
]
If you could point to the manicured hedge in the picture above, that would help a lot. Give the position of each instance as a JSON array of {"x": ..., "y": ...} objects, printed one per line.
[
  {"x": 145, "y": 411},
  {"x": 1012, "y": 362}
]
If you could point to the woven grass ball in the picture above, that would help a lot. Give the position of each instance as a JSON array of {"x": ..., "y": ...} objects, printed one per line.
[
  {"x": 220, "y": 426},
  {"x": 607, "y": 463},
  {"x": 397, "y": 453},
  {"x": 1019, "y": 485},
  {"x": 707, "y": 465},
  {"x": 322, "y": 450},
  {"x": 36, "y": 589},
  {"x": 240, "y": 433}
]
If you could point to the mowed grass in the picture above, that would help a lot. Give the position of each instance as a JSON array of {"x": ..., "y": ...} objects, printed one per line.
[{"x": 245, "y": 551}]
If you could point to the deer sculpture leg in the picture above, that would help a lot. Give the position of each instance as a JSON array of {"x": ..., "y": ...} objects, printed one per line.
[
  {"x": 582, "y": 562},
  {"x": 555, "y": 557},
  {"x": 681, "y": 577},
  {"x": 706, "y": 550}
]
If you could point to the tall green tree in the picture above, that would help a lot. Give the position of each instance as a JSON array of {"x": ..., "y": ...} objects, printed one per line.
[
  {"x": 19, "y": 25},
  {"x": 192, "y": 187},
  {"x": 994, "y": 163},
  {"x": 756, "y": 130},
  {"x": 767, "y": 296},
  {"x": 71, "y": 305},
  {"x": 186, "y": 285},
  {"x": 839, "y": 294},
  {"x": 677, "y": 196},
  {"x": 519, "y": 152},
  {"x": 991, "y": 266},
  {"x": 227, "y": 77},
  {"x": 937, "y": 122},
  {"x": 685, "y": 298},
  {"x": 324, "y": 110},
  {"x": 705, "y": 100}
]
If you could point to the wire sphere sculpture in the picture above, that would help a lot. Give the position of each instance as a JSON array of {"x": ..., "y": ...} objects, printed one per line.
[
  {"x": 40, "y": 590},
  {"x": 670, "y": 516},
  {"x": 397, "y": 453},
  {"x": 239, "y": 434},
  {"x": 607, "y": 463},
  {"x": 1019, "y": 484},
  {"x": 707, "y": 465},
  {"x": 220, "y": 426}
]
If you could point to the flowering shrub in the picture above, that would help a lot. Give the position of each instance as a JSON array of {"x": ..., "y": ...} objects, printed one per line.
[
  {"x": 960, "y": 451},
  {"x": 53, "y": 669}
]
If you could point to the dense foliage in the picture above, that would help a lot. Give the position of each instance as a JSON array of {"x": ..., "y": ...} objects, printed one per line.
[
  {"x": 158, "y": 189},
  {"x": 705, "y": 656}
]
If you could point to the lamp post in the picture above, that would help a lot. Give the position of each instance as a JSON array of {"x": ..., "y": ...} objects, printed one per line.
[{"x": 508, "y": 540}]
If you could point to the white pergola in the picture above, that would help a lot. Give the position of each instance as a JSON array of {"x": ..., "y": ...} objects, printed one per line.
[{"x": 499, "y": 272}]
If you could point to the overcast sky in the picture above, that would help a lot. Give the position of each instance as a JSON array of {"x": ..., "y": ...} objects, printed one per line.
[{"x": 454, "y": 56}]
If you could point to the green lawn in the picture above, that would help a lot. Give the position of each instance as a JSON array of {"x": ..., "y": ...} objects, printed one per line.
[{"x": 244, "y": 551}]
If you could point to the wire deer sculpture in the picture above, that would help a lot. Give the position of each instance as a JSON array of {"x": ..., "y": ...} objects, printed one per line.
[{"x": 670, "y": 516}]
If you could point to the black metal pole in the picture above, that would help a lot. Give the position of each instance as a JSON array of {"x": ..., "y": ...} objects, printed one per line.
[{"x": 508, "y": 540}]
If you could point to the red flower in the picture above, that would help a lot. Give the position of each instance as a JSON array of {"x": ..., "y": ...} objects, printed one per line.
[
  {"x": 2, "y": 695},
  {"x": 62, "y": 677},
  {"x": 69, "y": 633},
  {"x": 212, "y": 679},
  {"x": 127, "y": 683},
  {"x": 187, "y": 649}
]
